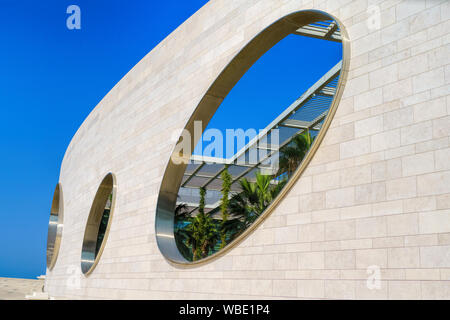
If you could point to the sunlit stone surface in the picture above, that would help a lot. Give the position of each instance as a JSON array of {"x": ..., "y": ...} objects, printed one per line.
[{"x": 372, "y": 205}]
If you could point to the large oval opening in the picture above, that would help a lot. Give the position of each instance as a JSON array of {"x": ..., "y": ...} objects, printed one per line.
[{"x": 227, "y": 173}]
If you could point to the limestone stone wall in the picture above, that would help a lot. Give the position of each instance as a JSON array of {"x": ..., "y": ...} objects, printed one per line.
[{"x": 376, "y": 194}]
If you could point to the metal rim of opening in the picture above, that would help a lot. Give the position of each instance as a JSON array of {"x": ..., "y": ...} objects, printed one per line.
[
  {"x": 207, "y": 107},
  {"x": 89, "y": 257},
  {"x": 55, "y": 227}
]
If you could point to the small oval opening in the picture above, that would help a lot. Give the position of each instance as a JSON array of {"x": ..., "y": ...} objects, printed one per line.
[
  {"x": 98, "y": 224},
  {"x": 55, "y": 227}
]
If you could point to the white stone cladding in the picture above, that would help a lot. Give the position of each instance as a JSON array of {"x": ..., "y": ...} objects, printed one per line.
[{"x": 377, "y": 192}]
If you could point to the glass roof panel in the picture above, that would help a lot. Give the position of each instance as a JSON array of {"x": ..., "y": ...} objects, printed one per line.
[
  {"x": 236, "y": 187},
  {"x": 196, "y": 182},
  {"x": 195, "y": 212},
  {"x": 210, "y": 169},
  {"x": 185, "y": 177},
  {"x": 251, "y": 176},
  {"x": 191, "y": 167},
  {"x": 286, "y": 133},
  {"x": 236, "y": 170},
  {"x": 188, "y": 195},
  {"x": 216, "y": 184},
  {"x": 312, "y": 109},
  {"x": 273, "y": 139},
  {"x": 251, "y": 157},
  {"x": 270, "y": 165}
]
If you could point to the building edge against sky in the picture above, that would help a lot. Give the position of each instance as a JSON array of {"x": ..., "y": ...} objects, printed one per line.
[{"x": 373, "y": 203}]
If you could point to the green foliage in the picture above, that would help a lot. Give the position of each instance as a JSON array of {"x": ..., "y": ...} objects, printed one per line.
[
  {"x": 103, "y": 224},
  {"x": 292, "y": 155},
  {"x": 201, "y": 204},
  {"x": 201, "y": 232},
  {"x": 102, "y": 230},
  {"x": 226, "y": 188},
  {"x": 202, "y": 236},
  {"x": 255, "y": 197},
  {"x": 197, "y": 237}
]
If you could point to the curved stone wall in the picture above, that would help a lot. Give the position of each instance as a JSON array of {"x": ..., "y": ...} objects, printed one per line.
[{"x": 370, "y": 216}]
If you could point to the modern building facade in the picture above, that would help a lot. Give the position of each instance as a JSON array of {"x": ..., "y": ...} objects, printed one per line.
[{"x": 367, "y": 215}]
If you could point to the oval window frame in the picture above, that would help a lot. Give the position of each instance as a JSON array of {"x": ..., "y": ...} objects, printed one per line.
[
  {"x": 205, "y": 110},
  {"x": 100, "y": 199},
  {"x": 54, "y": 233}
]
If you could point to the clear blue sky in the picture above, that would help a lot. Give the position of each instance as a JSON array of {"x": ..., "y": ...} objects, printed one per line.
[
  {"x": 53, "y": 77},
  {"x": 273, "y": 83}
]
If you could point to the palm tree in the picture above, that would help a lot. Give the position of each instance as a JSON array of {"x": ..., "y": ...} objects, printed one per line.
[
  {"x": 254, "y": 198},
  {"x": 202, "y": 232},
  {"x": 292, "y": 155},
  {"x": 198, "y": 237},
  {"x": 264, "y": 191},
  {"x": 259, "y": 193},
  {"x": 242, "y": 211},
  {"x": 226, "y": 188},
  {"x": 202, "y": 236}
]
